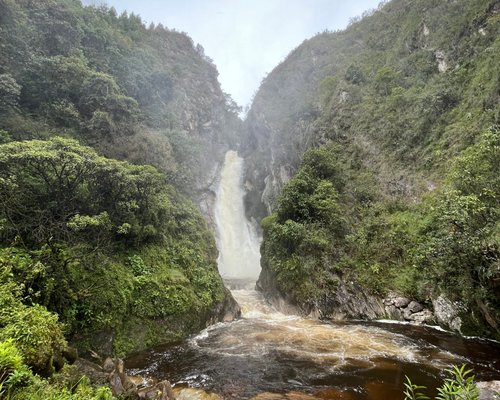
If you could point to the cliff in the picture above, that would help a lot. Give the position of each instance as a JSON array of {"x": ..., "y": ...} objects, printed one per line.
[
  {"x": 359, "y": 145},
  {"x": 124, "y": 262}
]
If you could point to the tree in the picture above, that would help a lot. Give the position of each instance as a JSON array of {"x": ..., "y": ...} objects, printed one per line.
[
  {"x": 59, "y": 190},
  {"x": 10, "y": 91}
]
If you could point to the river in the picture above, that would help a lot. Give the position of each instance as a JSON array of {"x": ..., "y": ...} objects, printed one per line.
[{"x": 267, "y": 353}]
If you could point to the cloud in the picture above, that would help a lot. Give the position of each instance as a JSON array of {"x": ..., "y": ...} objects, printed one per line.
[{"x": 246, "y": 39}]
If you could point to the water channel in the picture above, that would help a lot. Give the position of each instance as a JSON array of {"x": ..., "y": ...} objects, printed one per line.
[{"x": 268, "y": 354}]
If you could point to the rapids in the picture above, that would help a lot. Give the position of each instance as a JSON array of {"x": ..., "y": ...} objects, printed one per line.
[{"x": 268, "y": 352}]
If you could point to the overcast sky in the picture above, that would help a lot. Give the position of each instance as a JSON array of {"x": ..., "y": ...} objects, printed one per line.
[{"x": 246, "y": 38}]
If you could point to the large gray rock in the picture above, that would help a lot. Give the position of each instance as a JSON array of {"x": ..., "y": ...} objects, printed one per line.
[
  {"x": 227, "y": 310},
  {"x": 423, "y": 317},
  {"x": 401, "y": 302},
  {"x": 489, "y": 390},
  {"x": 392, "y": 312},
  {"x": 348, "y": 301},
  {"x": 161, "y": 391},
  {"x": 447, "y": 313},
  {"x": 415, "y": 307},
  {"x": 93, "y": 371}
]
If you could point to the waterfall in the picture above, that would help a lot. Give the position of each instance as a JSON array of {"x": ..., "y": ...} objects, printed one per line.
[
  {"x": 266, "y": 352},
  {"x": 238, "y": 243}
]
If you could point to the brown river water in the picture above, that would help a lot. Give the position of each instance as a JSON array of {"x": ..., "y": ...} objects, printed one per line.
[
  {"x": 269, "y": 352},
  {"x": 273, "y": 356}
]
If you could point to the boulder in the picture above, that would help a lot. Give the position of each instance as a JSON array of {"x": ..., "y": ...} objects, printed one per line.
[
  {"x": 407, "y": 314},
  {"x": 401, "y": 302},
  {"x": 393, "y": 312},
  {"x": 423, "y": 317},
  {"x": 489, "y": 390},
  {"x": 93, "y": 371},
  {"x": 108, "y": 365},
  {"x": 116, "y": 384},
  {"x": 161, "y": 391},
  {"x": 415, "y": 307},
  {"x": 447, "y": 313},
  {"x": 227, "y": 310}
]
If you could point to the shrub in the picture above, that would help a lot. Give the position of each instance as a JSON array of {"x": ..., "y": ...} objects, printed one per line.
[{"x": 458, "y": 386}]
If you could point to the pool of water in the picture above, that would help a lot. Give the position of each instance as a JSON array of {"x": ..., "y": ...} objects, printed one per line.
[{"x": 269, "y": 352}]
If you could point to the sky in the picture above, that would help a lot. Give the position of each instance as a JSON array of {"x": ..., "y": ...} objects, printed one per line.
[{"x": 246, "y": 39}]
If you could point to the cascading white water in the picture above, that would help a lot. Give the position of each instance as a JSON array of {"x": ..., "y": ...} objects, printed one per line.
[{"x": 238, "y": 243}]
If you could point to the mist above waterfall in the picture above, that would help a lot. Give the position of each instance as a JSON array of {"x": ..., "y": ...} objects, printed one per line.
[{"x": 237, "y": 240}]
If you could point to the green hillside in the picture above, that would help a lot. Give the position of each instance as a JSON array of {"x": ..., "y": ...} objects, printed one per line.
[
  {"x": 144, "y": 94},
  {"x": 110, "y": 256},
  {"x": 375, "y": 150}
]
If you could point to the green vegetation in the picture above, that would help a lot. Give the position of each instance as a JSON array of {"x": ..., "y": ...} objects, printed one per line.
[
  {"x": 17, "y": 382},
  {"x": 391, "y": 132},
  {"x": 99, "y": 242},
  {"x": 108, "y": 255},
  {"x": 144, "y": 94},
  {"x": 459, "y": 386}
]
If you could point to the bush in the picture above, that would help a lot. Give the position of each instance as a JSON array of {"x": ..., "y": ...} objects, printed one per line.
[
  {"x": 38, "y": 335},
  {"x": 36, "y": 332},
  {"x": 12, "y": 371}
]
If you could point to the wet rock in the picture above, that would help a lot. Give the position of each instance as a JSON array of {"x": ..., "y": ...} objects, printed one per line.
[
  {"x": 141, "y": 381},
  {"x": 193, "y": 394},
  {"x": 348, "y": 301},
  {"x": 164, "y": 391},
  {"x": 227, "y": 310},
  {"x": 447, "y": 313},
  {"x": 337, "y": 394},
  {"x": 126, "y": 381},
  {"x": 393, "y": 312},
  {"x": 287, "y": 396},
  {"x": 401, "y": 302},
  {"x": 92, "y": 370},
  {"x": 489, "y": 390},
  {"x": 407, "y": 314},
  {"x": 116, "y": 384},
  {"x": 415, "y": 307},
  {"x": 423, "y": 317},
  {"x": 108, "y": 365}
]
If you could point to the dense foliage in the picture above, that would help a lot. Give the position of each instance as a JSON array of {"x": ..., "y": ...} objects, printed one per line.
[
  {"x": 17, "y": 382},
  {"x": 104, "y": 244},
  {"x": 144, "y": 94},
  {"x": 459, "y": 385},
  {"x": 399, "y": 188},
  {"x": 106, "y": 254}
]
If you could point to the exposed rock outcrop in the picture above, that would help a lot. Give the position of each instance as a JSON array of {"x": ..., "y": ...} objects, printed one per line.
[
  {"x": 112, "y": 372},
  {"x": 225, "y": 311},
  {"x": 447, "y": 313},
  {"x": 489, "y": 390},
  {"x": 405, "y": 309},
  {"x": 348, "y": 301}
]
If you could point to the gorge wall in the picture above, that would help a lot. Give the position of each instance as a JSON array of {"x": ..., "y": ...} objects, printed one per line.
[
  {"x": 373, "y": 152},
  {"x": 132, "y": 263}
]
